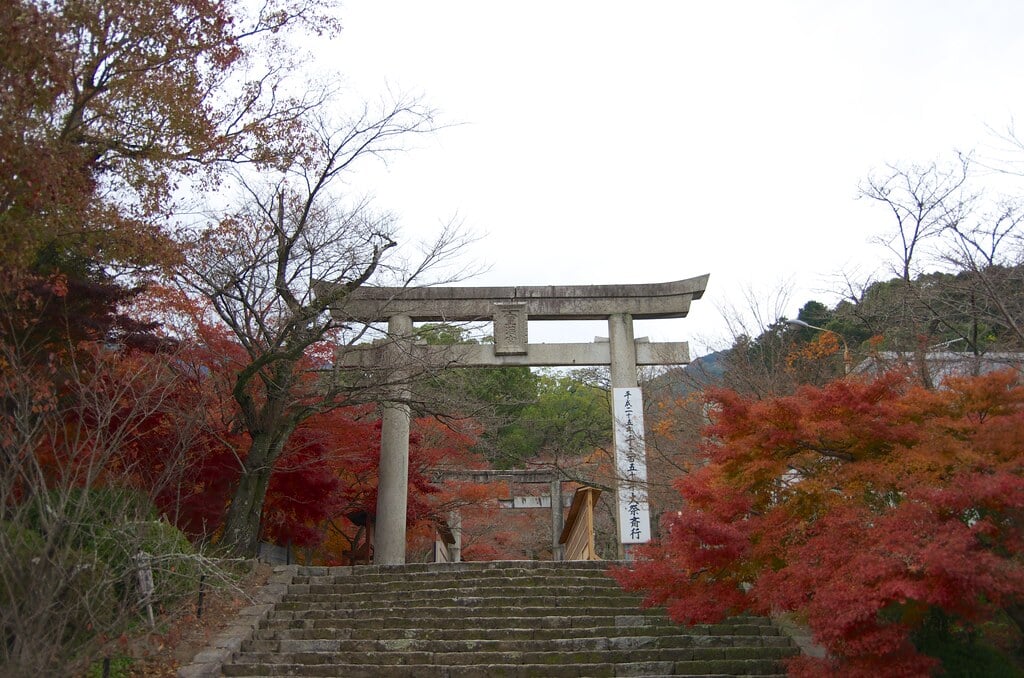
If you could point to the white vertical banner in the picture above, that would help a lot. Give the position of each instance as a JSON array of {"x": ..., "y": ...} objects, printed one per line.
[{"x": 631, "y": 462}]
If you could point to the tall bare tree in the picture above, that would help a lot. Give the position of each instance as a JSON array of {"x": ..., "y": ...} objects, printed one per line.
[
  {"x": 257, "y": 266},
  {"x": 989, "y": 251},
  {"x": 924, "y": 201}
]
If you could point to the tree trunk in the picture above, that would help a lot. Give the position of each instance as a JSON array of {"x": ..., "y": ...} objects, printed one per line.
[
  {"x": 242, "y": 523},
  {"x": 1016, "y": 613}
]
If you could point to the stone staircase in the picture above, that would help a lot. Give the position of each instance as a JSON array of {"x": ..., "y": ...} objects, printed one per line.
[{"x": 515, "y": 618}]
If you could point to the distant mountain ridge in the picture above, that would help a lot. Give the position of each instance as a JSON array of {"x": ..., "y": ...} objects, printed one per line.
[{"x": 679, "y": 382}]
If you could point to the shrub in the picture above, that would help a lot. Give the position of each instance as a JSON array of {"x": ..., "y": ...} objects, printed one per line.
[
  {"x": 54, "y": 601},
  {"x": 68, "y": 574},
  {"x": 77, "y": 516},
  {"x": 171, "y": 558}
]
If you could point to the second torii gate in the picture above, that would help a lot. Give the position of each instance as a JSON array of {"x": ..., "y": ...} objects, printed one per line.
[{"x": 509, "y": 308}]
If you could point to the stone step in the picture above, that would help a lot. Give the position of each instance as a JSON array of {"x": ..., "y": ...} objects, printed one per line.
[
  {"x": 328, "y": 653},
  {"x": 413, "y": 569},
  {"x": 492, "y": 619},
  {"x": 386, "y": 620},
  {"x": 495, "y": 569},
  {"x": 612, "y": 649},
  {"x": 520, "y": 598},
  {"x": 468, "y": 619},
  {"x": 698, "y": 636},
  {"x": 497, "y": 587},
  {"x": 359, "y": 585},
  {"x": 707, "y": 667},
  {"x": 403, "y": 658},
  {"x": 443, "y": 612},
  {"x": 328, "y": 643},
  {"x": 455, "y": 572}
]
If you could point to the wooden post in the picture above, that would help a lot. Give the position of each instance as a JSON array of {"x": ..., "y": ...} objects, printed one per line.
[
  {"x": 578, "y": 533},
  {"x": 556, "y": 519}
]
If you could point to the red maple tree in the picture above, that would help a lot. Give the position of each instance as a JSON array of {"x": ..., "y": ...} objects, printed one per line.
[{"x": 862, "y": 506}]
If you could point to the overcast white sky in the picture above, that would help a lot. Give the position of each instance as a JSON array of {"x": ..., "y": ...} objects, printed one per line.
[{"x": 613, "y": 142}]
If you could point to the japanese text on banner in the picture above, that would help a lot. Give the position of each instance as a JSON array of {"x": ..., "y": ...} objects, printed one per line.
[{"x": 631, "y": 462}]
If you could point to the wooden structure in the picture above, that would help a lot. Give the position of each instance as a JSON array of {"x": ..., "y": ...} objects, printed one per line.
[
  {"x": 361, "y": 552},
  {"x": 448, "y": 540},
  {"x": 578, "y": 533}
]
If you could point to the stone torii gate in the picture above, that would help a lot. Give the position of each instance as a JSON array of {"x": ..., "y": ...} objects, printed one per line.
[{"x": 509, "y": 308}]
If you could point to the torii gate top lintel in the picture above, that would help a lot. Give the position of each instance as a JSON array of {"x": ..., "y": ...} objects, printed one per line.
[{"x": 541, "y": 302}]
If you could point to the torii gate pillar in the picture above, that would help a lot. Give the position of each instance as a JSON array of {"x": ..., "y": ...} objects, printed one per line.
[
  {"x": 623, "y": 350},
  {"x": 513, "y": 306},
  {"x": 393, "y": 470},
  {"x": 623, "y": 375}
]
